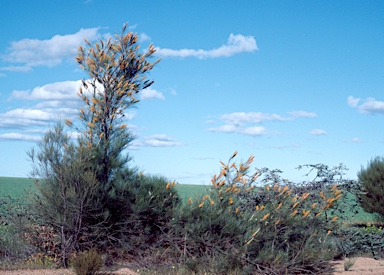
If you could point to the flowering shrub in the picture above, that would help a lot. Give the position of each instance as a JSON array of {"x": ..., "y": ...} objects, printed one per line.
[{"x": 273, "y": 229}]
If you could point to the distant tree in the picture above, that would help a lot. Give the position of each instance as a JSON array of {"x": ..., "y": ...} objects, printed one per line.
[{"x": 371, "y": 179}]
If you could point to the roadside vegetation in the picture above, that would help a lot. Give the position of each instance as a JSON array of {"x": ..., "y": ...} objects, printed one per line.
[{"x": 89, "y": 209}]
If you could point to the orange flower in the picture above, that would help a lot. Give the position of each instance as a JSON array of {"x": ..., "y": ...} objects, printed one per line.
[
  {"x": 306, "y": 213},
  {"x": 314, "y": 205},
  {"x": 230, "y": 201},
  {"x": 189, "y": 201},
  {"x": 201, "y": 204},
  {"x": 168, "y": 185},
  {"x": 295, "y": 204},
  {"x": 335, "y": 186},
  {"x": 265, "y": 217},
  {"x": 279, "y": 206},
  {"x": 334, "y": 218},
  {"x": 294, "y": 213}
]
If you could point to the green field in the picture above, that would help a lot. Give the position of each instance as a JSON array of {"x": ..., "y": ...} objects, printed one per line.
[{"x": 15, "y": 188}]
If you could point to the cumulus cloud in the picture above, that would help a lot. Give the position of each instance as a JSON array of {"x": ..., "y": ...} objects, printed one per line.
[
  {"x": 66, "y": 90},
  {"x": 236, "y": 44},
  {"x": 239, "y": 118},
  {"x": 19, "y": 137},
  {"x": 354, "y": 140},
  {"x": 49, "y": 52},
  {"x": 366, "y": 106},
  {"x": 238, "y": 122},
  {"x": 20, "y": 69},
  {"x": 302, "y": 114},
  {"x": 318, "y": 132},
  {"x": 150, "y": 93},
  {"x": 249, "y": 131},
  {"x": 157, "y": 141}
]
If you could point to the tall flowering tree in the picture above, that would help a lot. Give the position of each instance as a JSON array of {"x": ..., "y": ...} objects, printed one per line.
[{"x": 117, "y": 71}]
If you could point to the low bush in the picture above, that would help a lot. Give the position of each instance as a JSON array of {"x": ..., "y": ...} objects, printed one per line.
[
  {"x": 237, "y": 227},
  {"x": 87, "y": 262},
  {"x": 363, "y": 241}
]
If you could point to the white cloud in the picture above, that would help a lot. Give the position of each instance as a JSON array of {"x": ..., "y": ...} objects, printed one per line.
[
  {"x": 239, "y": 118},
  {"x": 354, "y": 140},
  {"x": 368, "y": 105},
  {"x": 157, "y": 141},
  {"x": 302, "y": 114},
  {"x": 144, "y": 37},
  {"x": 249, "y": 131},
  {"x": 235, "y": 44},
  {"x": 66, "y": 90},
  {"x": 318, "y": 132},
  {"x": 18, "y": 136},
  {"x": 50, "y": 52},
  {"x": 150, "y": 93},
  {"x": 21, "y": 69},
  {"x": 353, "y": 101}
]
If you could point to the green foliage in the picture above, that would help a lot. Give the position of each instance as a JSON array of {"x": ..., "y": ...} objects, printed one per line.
[
  {"x": 140, "y": 207},
  {"x": 236, "y": 227},
  {"x": 371, "y": 179},
  {"x": 87, "y": 263},
  {"x": 66, "y": 191},
  {"x": 365, "y": 241}
]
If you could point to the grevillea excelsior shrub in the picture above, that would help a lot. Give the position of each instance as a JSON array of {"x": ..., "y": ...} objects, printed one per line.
[{"x": 284, "y": 233}]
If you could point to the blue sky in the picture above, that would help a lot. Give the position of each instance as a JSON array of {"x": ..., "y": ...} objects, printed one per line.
[{"x": 291, "y": 82}]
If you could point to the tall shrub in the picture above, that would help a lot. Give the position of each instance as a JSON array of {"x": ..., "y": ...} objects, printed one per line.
[{"x": 371, "y": 179}]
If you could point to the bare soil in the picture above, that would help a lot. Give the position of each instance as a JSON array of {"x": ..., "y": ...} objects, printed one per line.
[{"x": 362, "y": 266}]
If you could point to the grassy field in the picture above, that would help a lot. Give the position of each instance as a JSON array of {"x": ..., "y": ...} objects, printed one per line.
[{"x": 15, "y": 188}]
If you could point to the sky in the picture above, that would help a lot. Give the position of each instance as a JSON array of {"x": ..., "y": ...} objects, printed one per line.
[{"x": 290, "y": 82}]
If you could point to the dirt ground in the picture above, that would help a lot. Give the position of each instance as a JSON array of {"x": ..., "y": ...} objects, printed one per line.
[{"x": 361, "y": 266}]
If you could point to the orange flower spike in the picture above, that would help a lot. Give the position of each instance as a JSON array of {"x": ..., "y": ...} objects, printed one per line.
[
  {"x": 295, "y": 204},
  {"x": 318, "y": 214},
  {"x": 275, "y": 187},
  {"x": 279, "y": 189},
  {"x": 329, "y": 232},
  {"x": 189, "y": 201},
  {"x": 265, "y": 217},
  {"x": 334, "y": 187},
  {"x": 305, "y": 195},
  {"x": 279, "y": 206},
  {"x": 173, "y": 183},
  {"x": 205, "y": 197},
  {"x": 168, "y": 185},
  {"x": 267, "y": 187},
  {"x": 306, "y": 213},
  {"x": 322, "y": 195},
  {"x": 294, "y": 213},
  {"x": 230, "y": 201},
  {"x": 285, "y": 189},
  {"x": 330, "y": 200},
  {"x": 334, "y": 218},
  {"x": 257, "y": 208},
  {"x": 212, "y": 202},
  {"x": 277, "y": 222},
  {"x": 338, "y": 197},
  {"x": 294, "y": 199},
  {"x": 237, "y": 210},
  {"x": 337, "y": 192},
  {"x": 314, "y": 205},
  {"x": 201, "y": 204},
  {"x": 262, "y": 207},
  {"x": 227, "y": 190}
]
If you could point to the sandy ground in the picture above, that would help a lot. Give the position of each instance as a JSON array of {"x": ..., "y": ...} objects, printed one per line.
[{"x": 361, "y": 266}]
